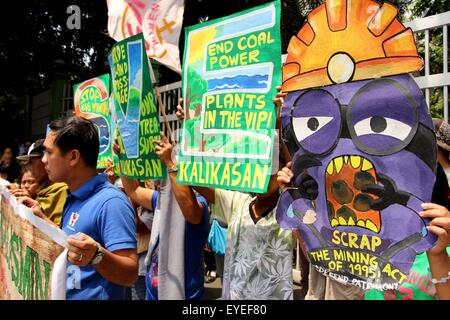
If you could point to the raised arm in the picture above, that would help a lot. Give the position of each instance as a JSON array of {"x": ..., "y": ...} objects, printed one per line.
[
  {"x": 191, "y": 208},
  {"x": 207, "y": 193},
  {"x": 139, "y": 195}
]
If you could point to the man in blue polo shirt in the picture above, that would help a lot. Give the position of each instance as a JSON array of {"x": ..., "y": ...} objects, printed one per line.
[{"x": 102, "y": 256}]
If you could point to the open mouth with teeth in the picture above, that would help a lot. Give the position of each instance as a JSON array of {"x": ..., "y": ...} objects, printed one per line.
[{"x": 347, "y": 205}]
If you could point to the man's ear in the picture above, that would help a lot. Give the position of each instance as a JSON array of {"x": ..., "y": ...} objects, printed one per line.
[{"x": 75, "y": 157}]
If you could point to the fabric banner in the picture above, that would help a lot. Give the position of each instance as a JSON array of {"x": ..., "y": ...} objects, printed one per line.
[
  {"x": 28, "y": 252},
  {"x": 135, "y": 110},
  {"x": 231, "y": 68},
  {"x": 159, "y": 20},
  {"x": 168, "y": 237},
  {"x": 362, "y": 144},
  {"x": 92, "y": 101}
]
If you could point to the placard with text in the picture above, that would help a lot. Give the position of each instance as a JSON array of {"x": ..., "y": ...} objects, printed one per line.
[
  {"x": 92, "y": 101},
  {"x": 135, "y": 110},
  {"x": 231, "y": 68}
]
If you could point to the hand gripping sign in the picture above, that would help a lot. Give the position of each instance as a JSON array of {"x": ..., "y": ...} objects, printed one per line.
[{"x": 135, "y": 110}]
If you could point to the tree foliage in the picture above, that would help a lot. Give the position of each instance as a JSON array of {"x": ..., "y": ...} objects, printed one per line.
[
  {"x": 419, "y": 9},
  {"x": 35, "y": 35},
  {"x": 35, "y": 43},
  {"x": 42, "y": 37}
]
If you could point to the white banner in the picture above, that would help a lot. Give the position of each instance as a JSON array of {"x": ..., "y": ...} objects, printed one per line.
[
  {"x": 32, "y": 259},
  {"x": 159, "y": 20}
]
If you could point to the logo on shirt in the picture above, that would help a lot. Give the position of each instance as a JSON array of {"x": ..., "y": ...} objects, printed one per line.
[{"x": 73, "y": 218}]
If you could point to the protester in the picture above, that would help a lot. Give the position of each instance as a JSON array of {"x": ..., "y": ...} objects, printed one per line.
[
  {"x": 102, "y": 257},
  {"x": 8, "y": 162},
  {"x": 438, "y": 256},
  {"x": 28, "y": 185},
  {"x": 6, "y": 157},
  {"x": 441, "y": 190},
  {"x": 195, "y": 212},
  {"x": 258, "y": 256},
  {"x": 50, "y": 196}
]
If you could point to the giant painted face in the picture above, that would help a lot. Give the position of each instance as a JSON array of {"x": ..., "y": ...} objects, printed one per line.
[{"x": 364, "y": 158}]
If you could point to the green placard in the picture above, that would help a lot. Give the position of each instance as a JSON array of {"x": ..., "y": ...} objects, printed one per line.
[
  {"x": 135, "y": 110},
  {"x": 231, "y": 68},
  {"x": 92, "y": 101}
]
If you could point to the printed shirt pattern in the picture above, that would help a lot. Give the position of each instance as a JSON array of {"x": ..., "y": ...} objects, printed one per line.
[{"x": 258, "y": 257}]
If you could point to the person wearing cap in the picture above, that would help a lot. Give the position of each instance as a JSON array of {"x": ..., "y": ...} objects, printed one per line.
[
  {"x": 51, "y": 196},
  {"x": 437, "y": 264}
]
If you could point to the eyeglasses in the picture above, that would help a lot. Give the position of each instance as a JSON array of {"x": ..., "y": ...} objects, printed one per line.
[{"x": 381, "y": 118}]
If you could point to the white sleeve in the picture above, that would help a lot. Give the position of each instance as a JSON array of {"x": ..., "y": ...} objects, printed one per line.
[{"x": 222, "y": 209}]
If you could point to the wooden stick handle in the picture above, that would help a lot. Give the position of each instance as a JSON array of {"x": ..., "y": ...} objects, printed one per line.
[{"x": 162, "y": 107}]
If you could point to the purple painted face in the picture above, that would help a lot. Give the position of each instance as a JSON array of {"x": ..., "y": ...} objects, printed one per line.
[{"x": 364, "y": 159}]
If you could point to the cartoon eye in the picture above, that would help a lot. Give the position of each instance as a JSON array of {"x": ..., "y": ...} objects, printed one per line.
[
  {"x": 383, "y": 125},
  {"x": 382, "y": 117},
  {"x": 306, "y": 126},
  {"x": 315, "y": 121}
]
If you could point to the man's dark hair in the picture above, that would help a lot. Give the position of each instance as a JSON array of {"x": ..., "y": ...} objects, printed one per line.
[
  {"x": 4, "y": 169},
  {"x": 77, "y": 133}
]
